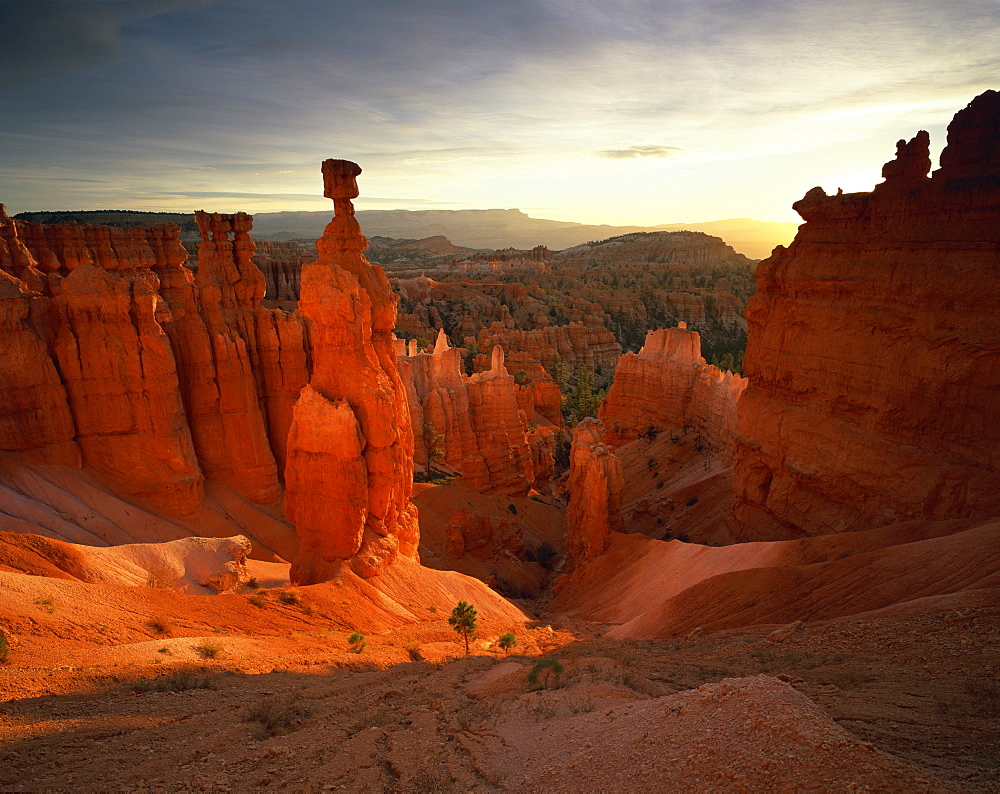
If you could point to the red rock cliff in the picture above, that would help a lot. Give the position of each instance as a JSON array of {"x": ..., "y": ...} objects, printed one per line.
[
  {"x": 668, "y": 385},
  {"x": 350, "y": 447},
  {"x": 874, "y": 350}
]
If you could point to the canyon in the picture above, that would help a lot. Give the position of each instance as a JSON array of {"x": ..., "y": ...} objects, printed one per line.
[{"x": 222, "y": 458}]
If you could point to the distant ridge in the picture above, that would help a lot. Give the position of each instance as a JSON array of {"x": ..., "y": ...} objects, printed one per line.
[
  {"x": 490, "y": 229},
  {"x": 120, "y": 218},
  {"x": 502, "y": 228}
]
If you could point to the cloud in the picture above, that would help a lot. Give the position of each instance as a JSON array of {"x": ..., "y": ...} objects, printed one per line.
[
  {"x": 635, "y": 152},
  {"x": 497, "y": 103},
  {"x": 231, "y": 194},
  {"x": 46, "y": 37}
]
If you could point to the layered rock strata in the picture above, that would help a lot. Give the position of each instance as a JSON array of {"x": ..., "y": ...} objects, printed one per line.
[
  {"x": 874, "y": 350},
  {"x": 595, "y": 488},
  {"x": 156, "y": 380},
  {"x": 668, "y": 386},
  {"x": 477, "y": 425},
  {"x": 281, "y": 263},
  {"x": 350, "y": 446}
]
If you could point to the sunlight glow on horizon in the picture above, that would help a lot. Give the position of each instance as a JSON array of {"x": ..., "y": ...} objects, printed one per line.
[{"x": 638, "y": 113}]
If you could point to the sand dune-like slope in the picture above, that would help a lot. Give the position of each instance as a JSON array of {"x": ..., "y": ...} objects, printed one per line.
[
  {"x": 651, "y": 589},
  {"x": 68, "y": 504},
  {"x": 191, "y": 565}
]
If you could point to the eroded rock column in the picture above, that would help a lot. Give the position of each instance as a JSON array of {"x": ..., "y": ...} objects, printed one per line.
[{"x": 350, "y": 448}]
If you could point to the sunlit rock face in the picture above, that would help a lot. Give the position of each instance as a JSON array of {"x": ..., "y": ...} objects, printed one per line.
[
  {"x": 668, "y": 386},
  {"x": 477, "y": 423},
  {"x": 123, "y": 361},
  {"x": 595, "y": 493},
  {"x": 874, "y": 350},
  {"x": 350, "y": 447}
]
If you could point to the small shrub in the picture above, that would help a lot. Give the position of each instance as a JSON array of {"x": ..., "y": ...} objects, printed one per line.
[
  {"x": 274, "y": 719},
  {"x": 413, "y": 649},
  {"x": 507, "y": 641},
  {"x": 159, "y": 578},
  {"x": 582, "y": 708},
  {"x": 209, "y": 650},
  {"x": 543, "y": 671},
  {"x": 290, "y": 597},
  {"x": 357, "y": 642},
  {"x": 258, "y": 600},
  {"x": 47, "y": 604},
  {"x": 160, "y": 625},
  {"x": 432, "y": 609},
  {"x": 659, "y": 483},
  {"x": 4, "y": 650},
  {"x": 543, "y": 712},
  {"x": 252, "y": 583},
  {"x": 369, "y": 719},
  {"x": 692, "y": 501}
]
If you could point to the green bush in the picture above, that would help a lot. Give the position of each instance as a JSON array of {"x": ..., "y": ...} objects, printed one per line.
[
  {"x": 544, "y": 671},
  {"x": 507, "y": 641},
  {"x": 357, "y": 642}
]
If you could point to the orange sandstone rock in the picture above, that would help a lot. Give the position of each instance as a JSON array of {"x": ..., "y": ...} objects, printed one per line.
[
  {"x": 350, "y": 451},
  {"x": 595, "y": 493},
  {"x": 484, "y": 433},
  {"x": 129, "y": 365},
  {"x": 668, "y": 385},
  {"x": 874, "y": 350}
]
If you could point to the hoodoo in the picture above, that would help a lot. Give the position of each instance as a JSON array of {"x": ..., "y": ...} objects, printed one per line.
[
  {"x": 668, "y": 385},
  {"x": 874, "y": 352},
  {"x": 480, "y": 428},
  {"x": 350, "y": 447}
]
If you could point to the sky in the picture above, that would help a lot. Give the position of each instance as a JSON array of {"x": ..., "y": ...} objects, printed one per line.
[{"x": 612, "y": 111}]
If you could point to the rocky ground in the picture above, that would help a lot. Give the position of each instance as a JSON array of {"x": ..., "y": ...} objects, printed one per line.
[{"x": 901, "y": 700}]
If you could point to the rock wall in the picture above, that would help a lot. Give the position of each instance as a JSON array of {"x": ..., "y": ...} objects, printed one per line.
[
  {"x": 481, "y": 420},
  {"x": 595, "y": 488},
  {"x": 667, "y": 385},
  {"x": 874, "y": 350},
  {"x": 350, "y": 447}
]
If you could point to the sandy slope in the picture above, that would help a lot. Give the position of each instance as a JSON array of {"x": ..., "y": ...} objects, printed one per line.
[{"x": 651, "y": 588}]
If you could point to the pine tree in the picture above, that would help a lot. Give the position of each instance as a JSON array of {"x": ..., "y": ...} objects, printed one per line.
[{"x": 463, "y": 621}]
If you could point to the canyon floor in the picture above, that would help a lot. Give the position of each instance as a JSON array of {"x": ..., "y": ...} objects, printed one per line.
[{"x": 182, "y": 692}]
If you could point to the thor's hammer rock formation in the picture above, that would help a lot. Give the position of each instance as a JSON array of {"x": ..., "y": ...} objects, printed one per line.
[{"x": 350, "y": 448}]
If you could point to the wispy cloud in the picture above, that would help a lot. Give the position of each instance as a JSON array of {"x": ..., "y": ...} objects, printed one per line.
[
  {"x": 635, "y": 152},
  {"x": 474, "y": 102}
]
